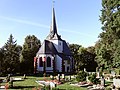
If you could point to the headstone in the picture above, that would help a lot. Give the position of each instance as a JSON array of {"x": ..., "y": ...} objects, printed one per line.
[
  {"x": 102, "y": 81},
  {"x": 85, "y": 70},
  {"x": 113, "y": 73},
  {"x": 11, "y": 82},
  {"x": 63, "y": 76},
  {"x": 51, "y": 77},
  {"x": 58, "y": 77},
  {"x": 24, "y": 77},
  {"x": 87, "y": 79},
  {"x": 52, "y": 85},
  {"x": 98, "y": 75},
  {"x": 69, "y": 77},
  {"x": 8, "y": 78}
]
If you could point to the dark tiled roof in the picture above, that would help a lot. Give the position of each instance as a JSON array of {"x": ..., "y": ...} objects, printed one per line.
[
  {"x": 47, "y": 48},
  {"x": 66, "y": 49}
]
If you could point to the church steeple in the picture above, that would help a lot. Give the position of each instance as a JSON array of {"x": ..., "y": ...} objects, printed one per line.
[{"x": 53, "y": 29}]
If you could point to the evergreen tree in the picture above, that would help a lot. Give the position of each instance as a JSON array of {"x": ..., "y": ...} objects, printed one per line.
[
  {"x": 107, "y": 50},
  {"x": 30, "y": 48},
  {"x": 1, "y": 60},
  {"x": 11, "y": 56}
]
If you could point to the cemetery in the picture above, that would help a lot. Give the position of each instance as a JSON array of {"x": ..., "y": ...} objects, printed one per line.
[
  {"x": 90, "y": 81},
  {"x": 55, "y": 64}
]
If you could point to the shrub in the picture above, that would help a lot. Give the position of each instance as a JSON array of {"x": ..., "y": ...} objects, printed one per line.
[
  {"x": 93, "y": 78},
  {"x": 117, "y": 71},
  {"x": 81, "y": 76}
]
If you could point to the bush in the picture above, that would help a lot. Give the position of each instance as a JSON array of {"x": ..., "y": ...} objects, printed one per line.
[
  {"x": 81, "y": 76},
  {"x": 93, "y": 78},
  {"x": 117, "y": 71}
]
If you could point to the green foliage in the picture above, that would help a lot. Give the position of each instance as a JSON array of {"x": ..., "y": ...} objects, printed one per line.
[
  {"x": 81, "y": 76},
  {"x": 92, "y": 78},
  {"x": 30, "y": 48},
  {"x": 74, "y": 49},
  {"x": 107, "y": 48},
  {"x": 83, "y": 57},
  {"x": 117, "y": 71},
  {"x": 10, "y": 56},
  {"x": 86, "y": 58}
]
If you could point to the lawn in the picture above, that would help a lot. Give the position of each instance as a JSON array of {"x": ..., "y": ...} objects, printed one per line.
[
  {"x": 30, "y": 84},
  {"x": 67, "y": 86}
]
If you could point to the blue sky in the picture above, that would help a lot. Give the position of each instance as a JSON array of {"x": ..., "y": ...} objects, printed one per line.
[{"x": 77, "y": 20}]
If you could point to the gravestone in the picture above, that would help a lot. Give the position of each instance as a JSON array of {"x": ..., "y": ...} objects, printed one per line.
[
  {"x": 58, "y": 77},
  {"x": 102, "y": 81},
  {"x": 63, "y": 76},
  {"x": 11, "y": 82},
  {"x": 52, "y": 85},
  {"x": 85, "y": 70},
  {"x": 24, "y": 77},
  {"x": 113, "y": 73},
  {"x": 98, "y": 75},
  {"x": 8, "y": 78},
  {"x": 69, "y": 77},
  {"x": 51, "y": 77}
]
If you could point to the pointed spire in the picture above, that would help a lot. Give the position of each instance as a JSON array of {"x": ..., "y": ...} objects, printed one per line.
[{"x": 53, "y": 29}]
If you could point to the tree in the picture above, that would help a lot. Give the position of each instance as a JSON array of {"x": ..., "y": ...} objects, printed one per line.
[
  {"x": 86, "y": 58},
  {"x": 1, "y": 59},
  {"x": 74, "y": 49},
  {"x": 107, "y": 52},
  {"x": 10, "y": 56},
  {"x": 30, "y": 48}
]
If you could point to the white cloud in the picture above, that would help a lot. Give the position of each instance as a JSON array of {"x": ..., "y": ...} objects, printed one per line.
[
  {"x": 44, "y": 26},
  {"x": 24, "y": 22}
]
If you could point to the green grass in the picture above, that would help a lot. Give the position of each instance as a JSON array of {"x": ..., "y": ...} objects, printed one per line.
[
  {"x": 30, "y": 84},
  {"x": 67, "y": 86}
]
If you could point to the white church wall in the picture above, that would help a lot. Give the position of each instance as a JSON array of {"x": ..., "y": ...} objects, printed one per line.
[
  {"x": 58, "y": 63},
  {"x": 48, "y": 69}
]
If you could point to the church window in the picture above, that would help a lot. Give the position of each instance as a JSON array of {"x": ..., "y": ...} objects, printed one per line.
[
  {"x": 48, "y": 62},
  {"x": 40, "y": 62}
]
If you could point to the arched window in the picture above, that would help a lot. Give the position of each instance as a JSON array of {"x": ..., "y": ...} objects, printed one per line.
[
  {"x": 48, "y": 62},
  {"x": 40, "y": 62}
]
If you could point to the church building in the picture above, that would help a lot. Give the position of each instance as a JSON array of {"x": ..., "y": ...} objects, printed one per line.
[{"x": 54, "y": 54}]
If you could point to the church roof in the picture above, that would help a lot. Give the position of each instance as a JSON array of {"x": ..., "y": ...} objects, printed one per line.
[
  {"x": 53, "y": 29},
  {"x": 66, "y": 49},
  {"x": 47, "y": 48}
]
